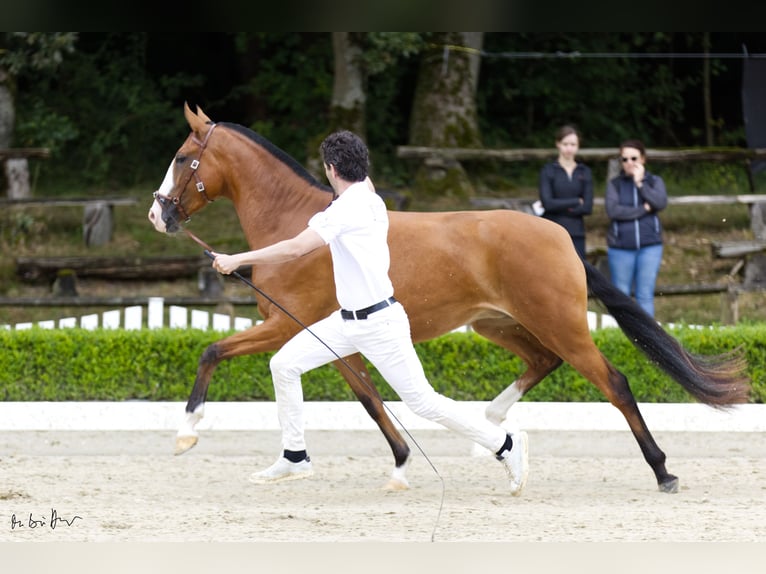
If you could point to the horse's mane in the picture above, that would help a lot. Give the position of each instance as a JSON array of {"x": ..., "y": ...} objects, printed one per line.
[{"x": 278, "y": 153}]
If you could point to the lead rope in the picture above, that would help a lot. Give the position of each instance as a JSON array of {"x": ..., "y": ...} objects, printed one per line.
[{"x": 208, "y": 252}]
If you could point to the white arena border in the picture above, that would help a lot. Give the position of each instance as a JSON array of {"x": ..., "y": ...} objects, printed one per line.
[{"x": 255, "y": 416}]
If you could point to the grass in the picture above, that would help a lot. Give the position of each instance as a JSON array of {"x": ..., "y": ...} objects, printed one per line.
[{"x": 37, "y": 231}]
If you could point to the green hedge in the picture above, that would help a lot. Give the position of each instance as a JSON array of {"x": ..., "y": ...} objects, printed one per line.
[{"x": 160, "y": 365}]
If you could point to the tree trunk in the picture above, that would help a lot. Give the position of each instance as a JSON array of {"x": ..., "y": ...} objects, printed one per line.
[
  {"x": 349, "y": 99},
  {"x": 706, "y": 91},
  {"x": 444, "y": 109},
  {"x": 7, "y": 110},
  {"x": 15, "y": 171}
]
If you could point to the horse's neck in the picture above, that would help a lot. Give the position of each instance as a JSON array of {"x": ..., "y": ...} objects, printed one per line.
[{"x": 272, "y": 201}]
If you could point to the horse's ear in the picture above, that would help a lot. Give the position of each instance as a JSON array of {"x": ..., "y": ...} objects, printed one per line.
[
  {"x": 203, "y": 116},
  {"x": 197, "y": 121}
]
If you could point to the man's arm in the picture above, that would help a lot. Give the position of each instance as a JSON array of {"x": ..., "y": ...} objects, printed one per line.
[{"x": 305, "y": 242}]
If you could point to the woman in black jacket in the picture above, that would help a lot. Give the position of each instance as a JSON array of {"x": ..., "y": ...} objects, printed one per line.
[
  {"x": 566, "y": 188},
  {"x": 634, "y": 238}
]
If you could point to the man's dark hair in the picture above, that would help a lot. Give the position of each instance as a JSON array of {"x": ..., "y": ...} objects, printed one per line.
[{"x": 348, "y": 153}]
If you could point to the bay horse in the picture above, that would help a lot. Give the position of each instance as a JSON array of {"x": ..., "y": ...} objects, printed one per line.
[{"x": 514, "y": 278}]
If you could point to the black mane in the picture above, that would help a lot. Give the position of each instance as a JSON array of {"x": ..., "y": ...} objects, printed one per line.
[{"x": 280, "y": 154}]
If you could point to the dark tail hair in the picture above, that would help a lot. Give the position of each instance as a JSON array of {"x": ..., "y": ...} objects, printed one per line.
[{"x": 717, "y": 380}]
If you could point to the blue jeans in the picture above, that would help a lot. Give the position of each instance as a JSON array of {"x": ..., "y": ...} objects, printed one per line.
[{"x": 635, "y": 270}]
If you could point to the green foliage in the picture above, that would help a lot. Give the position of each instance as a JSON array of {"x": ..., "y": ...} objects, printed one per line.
[
  {"x": 107, "y": 121},
  {"x": 40, "y": 125},
  {"x": 23, "y": 51},
  {"x": 111, "y": 110},
  {"x": 77, "y": 364},
  {"x": 291, "y": 84},
  {"x": 160, "y": 365},
  {"x": 383, "y": 50},
  {"x": 704, "y": 178},
  {"x": 523, "y": 100}
]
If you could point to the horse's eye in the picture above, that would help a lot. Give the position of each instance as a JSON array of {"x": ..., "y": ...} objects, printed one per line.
[{"x": 180, "y": 159}]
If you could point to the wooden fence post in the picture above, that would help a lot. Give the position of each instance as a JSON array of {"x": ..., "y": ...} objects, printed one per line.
[
  {"x": 97, "y": 223},
  {"x": 612, "y": 169},
  {"x": 756, "y": 220},
  {"x": 17, "y": 178},
  {"x": 730, "y": 306}
]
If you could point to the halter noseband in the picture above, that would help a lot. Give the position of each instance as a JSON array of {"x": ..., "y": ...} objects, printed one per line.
[{"x": 199, "y": 185}]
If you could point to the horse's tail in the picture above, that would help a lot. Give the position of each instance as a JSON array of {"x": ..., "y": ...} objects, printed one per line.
[{"x": 718, "y": 380}]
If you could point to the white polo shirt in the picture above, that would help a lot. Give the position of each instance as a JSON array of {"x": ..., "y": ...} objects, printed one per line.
[{"x": 355, "y": 226}]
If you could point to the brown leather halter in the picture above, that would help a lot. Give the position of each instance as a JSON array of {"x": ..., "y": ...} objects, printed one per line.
[{"x": 199, "y": 185}]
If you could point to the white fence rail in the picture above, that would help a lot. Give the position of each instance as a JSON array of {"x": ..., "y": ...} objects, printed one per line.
[{"x": 132, "y": 318}]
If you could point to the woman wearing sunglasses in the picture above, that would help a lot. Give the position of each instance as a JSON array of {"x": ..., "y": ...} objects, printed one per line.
[{"x": 634, "y": 238}]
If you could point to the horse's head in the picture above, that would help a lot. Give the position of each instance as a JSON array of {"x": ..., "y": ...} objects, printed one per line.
[{"x": 188, "y": 185}]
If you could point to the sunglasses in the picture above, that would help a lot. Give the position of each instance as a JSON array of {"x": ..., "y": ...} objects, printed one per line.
[{"x": 627, "y": 159}]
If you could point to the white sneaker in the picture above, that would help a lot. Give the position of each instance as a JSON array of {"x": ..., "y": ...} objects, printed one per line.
[
  {"x": 516, "y": 462},
  {"x": 282, "y": 470}
]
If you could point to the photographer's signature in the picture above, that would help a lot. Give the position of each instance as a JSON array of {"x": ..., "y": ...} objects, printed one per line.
[{"x": 52, "y": 521}]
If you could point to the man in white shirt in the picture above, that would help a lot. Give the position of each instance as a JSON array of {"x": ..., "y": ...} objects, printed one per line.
[{"x": 371, "y": 321}]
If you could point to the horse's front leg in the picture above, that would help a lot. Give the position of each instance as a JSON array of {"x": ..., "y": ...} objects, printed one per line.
[
  {"x": 268, "y": 336},
  {"x": 358, "y": 378},
  {"x": 187, "y": 435}
]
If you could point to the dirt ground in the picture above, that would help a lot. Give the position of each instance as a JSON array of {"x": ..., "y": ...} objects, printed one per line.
[{"x": 79, "y": 486}]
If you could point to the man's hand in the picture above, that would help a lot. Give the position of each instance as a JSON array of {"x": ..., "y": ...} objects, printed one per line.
[{"x": 225, "y": 264}]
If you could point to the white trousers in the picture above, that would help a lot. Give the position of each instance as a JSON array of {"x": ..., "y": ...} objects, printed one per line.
[{"x": 384, "y": 339}]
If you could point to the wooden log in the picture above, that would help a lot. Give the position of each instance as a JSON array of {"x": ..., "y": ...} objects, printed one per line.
[
  {"x": 67, "y": 201},
  {"x": 729, "y": 249},
  {"x": 586, "y": 154},
  {"x": 45, "y": 269},
  {"x": 690, "y": 289},
  {"x": 521, "y": 203},
  {"x": 17, "y": 152},
  {"x": 747, "y": 198}
]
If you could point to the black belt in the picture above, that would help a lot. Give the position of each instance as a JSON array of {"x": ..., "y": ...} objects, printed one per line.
[{"x": 363, "y": 313}]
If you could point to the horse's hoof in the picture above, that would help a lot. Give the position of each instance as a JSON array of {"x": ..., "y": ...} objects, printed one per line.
[
  {"x": 395, "y": 484},
  {"x": 184, "y": 443},
  {"x": 670, "y": 485}
]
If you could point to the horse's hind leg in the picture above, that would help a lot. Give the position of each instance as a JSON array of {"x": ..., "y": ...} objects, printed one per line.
[
  {"x": 651, "y": 451},
  {"x": 362, "y": 386},
  {"x": 540, "y": 362},
  {"x": 614, "y": 385}
]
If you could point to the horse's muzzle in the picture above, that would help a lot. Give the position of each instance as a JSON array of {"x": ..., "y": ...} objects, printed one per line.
[{"x": 164, "y": 215}]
